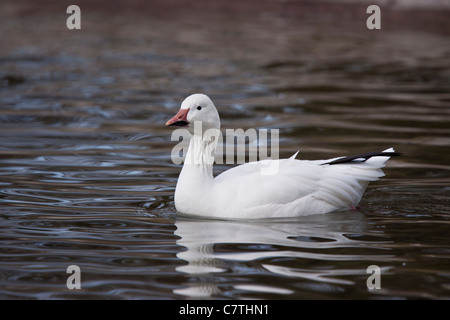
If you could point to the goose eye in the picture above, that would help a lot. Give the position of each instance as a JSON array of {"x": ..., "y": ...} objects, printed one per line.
[{"x": 199, "y": 108}]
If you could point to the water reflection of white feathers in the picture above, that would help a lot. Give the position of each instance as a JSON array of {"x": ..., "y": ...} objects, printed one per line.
[{"x": 269, "y": 239}]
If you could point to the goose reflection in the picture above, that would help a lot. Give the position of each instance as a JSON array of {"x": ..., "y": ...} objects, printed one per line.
[{"x": 211, "y": 243}]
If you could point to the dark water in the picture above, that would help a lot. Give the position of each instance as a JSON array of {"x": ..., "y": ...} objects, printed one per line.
[{"x": 86, "y": 176}]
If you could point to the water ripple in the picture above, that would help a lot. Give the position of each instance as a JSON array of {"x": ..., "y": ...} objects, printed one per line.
[{"x": 87, "y": 178}]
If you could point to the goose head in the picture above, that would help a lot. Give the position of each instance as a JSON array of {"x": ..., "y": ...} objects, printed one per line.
[{"x": 197, "y": 109}]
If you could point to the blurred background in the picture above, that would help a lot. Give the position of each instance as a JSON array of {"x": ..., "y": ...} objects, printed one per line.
[{"x": 85, "y": 170}]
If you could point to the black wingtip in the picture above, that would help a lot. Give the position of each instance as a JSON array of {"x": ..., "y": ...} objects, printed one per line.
[{"x": 363, "y": 157}]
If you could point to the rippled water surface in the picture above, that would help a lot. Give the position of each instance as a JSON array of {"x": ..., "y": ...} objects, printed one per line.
[{"x": 86, "y": 176}]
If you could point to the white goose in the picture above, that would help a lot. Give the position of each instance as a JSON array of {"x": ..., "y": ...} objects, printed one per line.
[{"x": 298, "y": 187}]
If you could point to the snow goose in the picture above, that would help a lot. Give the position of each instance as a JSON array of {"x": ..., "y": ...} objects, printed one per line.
[{"x": 296, "y": 188}]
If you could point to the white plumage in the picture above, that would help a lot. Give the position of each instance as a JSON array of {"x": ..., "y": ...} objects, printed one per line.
[{"x": 267, "y": 188}]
